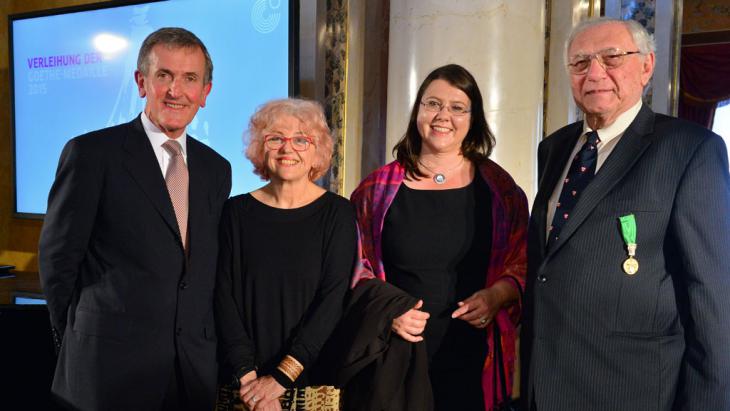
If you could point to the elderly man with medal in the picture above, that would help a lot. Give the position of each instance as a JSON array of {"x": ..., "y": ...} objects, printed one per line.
[{"x": 626, "y": 300}]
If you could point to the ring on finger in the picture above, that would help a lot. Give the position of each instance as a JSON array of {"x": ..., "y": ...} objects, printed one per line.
[
  {"x": 483, "y": 320},
  {"x": 254, "y": 399}
]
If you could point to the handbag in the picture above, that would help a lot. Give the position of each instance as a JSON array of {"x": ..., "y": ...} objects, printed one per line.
[{"x": 500, "y": 380}]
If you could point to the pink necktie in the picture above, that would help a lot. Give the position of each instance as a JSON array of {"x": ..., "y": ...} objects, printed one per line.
[{"x": 177, "y": 185}]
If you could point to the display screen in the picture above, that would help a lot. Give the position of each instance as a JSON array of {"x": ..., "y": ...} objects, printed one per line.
[{"x": 73, "y": 73}]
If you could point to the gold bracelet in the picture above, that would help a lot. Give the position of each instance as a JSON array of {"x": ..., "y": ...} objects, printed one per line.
[{"x": 290, "y": 367}]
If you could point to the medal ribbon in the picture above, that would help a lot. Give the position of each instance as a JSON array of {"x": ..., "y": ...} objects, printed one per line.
[{"x": 628, "y": 228}]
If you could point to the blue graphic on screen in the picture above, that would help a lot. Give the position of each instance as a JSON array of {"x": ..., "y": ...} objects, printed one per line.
[{"x": 74, "y": 73}]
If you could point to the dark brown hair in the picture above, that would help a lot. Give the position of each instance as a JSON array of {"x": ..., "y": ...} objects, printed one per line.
[
  {"x": 173, "y": 37},
  {"x": 479, "y": 140}
]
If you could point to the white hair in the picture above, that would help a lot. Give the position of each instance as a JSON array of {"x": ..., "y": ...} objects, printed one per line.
[{"x": 642, "y": 38}]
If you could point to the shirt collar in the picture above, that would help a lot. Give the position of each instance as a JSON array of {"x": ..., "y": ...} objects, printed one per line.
[
  {"x": 158, "y": 138},
  {"x": 623, "y": 121}
]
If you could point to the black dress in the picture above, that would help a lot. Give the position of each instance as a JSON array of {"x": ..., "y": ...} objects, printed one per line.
[
  {"x": 282, "y": 277},
  {"x": 436, "y": 247}
]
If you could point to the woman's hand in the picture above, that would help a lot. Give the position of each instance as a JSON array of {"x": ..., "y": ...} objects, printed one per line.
[
  {"x": 244, "y": 381},
  {"x": 262, "y": 394},
  {"x": 269, "y": 405},
  {"x": 410, "y": 325},
  {"x": 481, "y": 307}
]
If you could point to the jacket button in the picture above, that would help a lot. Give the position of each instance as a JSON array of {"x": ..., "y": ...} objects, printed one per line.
[
  {"x": 178, "y": 331},
  {"x": 541, "y": 278},
  {"x": 183, "y": 285}
]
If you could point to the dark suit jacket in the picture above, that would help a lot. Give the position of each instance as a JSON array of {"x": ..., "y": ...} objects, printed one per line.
[
  {"x": 119, "y": 286},
  {"x": 598, "y": 339}
]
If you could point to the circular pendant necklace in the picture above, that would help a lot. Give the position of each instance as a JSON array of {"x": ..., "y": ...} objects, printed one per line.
[{"x": 440, "y": 178}]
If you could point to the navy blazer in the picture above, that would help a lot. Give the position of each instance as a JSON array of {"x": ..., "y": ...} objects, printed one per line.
[
  {"x": 118, "y": 283},
  {"x": 595, "y": 338}
]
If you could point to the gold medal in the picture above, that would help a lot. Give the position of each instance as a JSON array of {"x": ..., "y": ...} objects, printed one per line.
[{"x": 631, "y": 266}]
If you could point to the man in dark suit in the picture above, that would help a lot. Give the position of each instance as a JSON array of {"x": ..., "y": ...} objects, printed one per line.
[
  {"x": 129, "y": 244},
  {"x": 628, "y": 292}
]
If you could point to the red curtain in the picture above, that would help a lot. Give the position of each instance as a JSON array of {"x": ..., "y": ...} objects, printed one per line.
[{"x": 704, "y": 80}]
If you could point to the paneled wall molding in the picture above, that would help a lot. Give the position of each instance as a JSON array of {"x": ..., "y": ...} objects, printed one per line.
[{"x": 564, "y": 15}]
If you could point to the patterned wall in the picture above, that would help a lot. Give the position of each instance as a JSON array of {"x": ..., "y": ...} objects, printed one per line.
[
  {"x": 335, "y": 88},
  {"x": 643, "y": 11}
]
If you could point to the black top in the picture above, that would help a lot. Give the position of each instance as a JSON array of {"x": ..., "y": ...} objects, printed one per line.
[
  {"x": 282, "y": 277},
  {"x": 436, "y": 247}
]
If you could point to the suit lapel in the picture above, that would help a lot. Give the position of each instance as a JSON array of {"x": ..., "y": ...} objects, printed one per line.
[
  {"x": 627, "y": 152},
  {"x": 142, "y": 164},
  {"x": 199, "y": 204},
  {"x": 556, "y": 159}
]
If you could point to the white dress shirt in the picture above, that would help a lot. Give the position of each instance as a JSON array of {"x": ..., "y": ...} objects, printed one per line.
[
  {"x": 158, "y": 138},
  {"x": 609, "y": 136}
]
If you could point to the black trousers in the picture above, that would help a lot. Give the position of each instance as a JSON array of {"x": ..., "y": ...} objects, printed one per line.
[{"x": 175, "y": 396}]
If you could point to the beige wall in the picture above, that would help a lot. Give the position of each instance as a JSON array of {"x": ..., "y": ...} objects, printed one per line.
[{"x": 500, "y": 42}]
